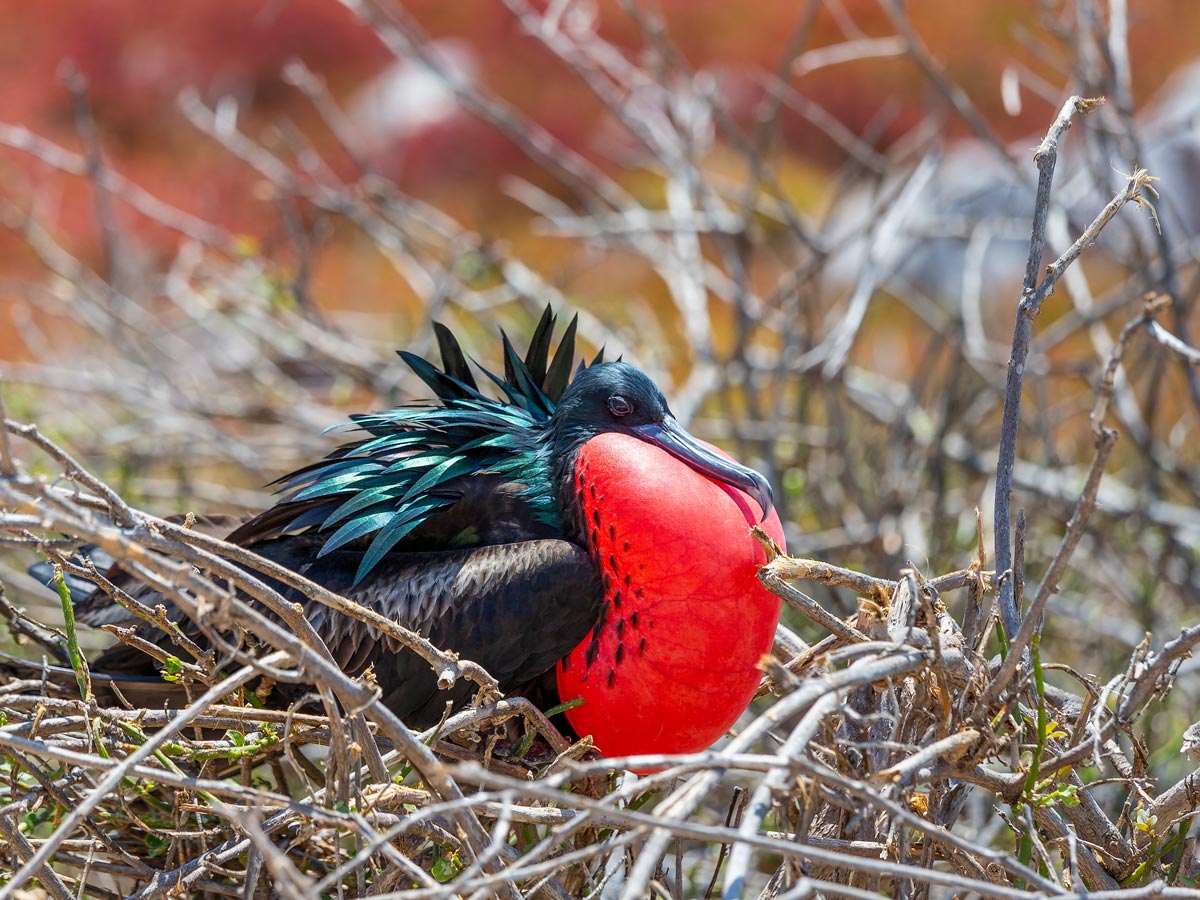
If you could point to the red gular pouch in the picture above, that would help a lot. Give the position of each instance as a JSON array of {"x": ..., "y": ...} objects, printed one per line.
[{"x": 673, "y": 660}]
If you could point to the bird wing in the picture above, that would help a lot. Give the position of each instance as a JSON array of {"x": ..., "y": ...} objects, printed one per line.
[{"x": 514, "y": 608}]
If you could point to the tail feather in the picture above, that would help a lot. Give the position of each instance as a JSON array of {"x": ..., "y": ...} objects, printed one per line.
[
  {"x": 81, "y": 589},
  {"x": 93, "y": 607}
]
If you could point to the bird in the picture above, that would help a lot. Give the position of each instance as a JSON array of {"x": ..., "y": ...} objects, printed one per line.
[{"x": 564, "y": 531}]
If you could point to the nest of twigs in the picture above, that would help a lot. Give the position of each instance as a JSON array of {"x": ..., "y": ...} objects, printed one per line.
[{"x": 851, "y": 772}]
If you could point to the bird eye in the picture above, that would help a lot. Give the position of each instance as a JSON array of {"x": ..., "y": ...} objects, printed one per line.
[{"x": 619, "y": 406}]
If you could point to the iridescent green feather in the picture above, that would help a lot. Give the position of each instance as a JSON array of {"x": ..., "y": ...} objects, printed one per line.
[{"x": 387, "y": 484}]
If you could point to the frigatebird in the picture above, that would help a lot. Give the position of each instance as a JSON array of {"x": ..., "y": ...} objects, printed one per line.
[{"x": 569, "y": 535}]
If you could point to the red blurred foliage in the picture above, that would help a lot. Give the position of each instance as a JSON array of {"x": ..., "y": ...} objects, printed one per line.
[{"x": 137, "y": 57}]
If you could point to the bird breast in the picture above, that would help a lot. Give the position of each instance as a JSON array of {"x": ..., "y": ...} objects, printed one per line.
[{"x": 673, "y": 660}]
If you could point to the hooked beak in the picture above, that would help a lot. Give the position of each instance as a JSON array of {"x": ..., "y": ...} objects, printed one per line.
[{"x": 670, "y": 436}]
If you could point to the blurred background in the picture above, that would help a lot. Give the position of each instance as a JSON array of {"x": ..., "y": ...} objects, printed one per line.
[
  {"x": 824, "y": 93},
  {"x": 808, "y": 220}
]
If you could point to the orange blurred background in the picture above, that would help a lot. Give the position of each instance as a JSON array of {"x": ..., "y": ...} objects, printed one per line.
[{"x": 136, "y": 58}]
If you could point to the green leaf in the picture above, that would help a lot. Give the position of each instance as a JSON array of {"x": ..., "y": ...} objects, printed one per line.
[
  {"x": 446, "y": 867},
  {"x": 156, "y": 844},
  {"x": 563, "y": 707}
]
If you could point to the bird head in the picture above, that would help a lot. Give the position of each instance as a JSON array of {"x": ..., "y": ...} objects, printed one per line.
[{"x": 618, "y": 397}]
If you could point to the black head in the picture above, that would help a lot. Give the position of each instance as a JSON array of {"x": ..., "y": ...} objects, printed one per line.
[
  {"x": 619, "y": 397},
  {"x": 607, "y": 397}
]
